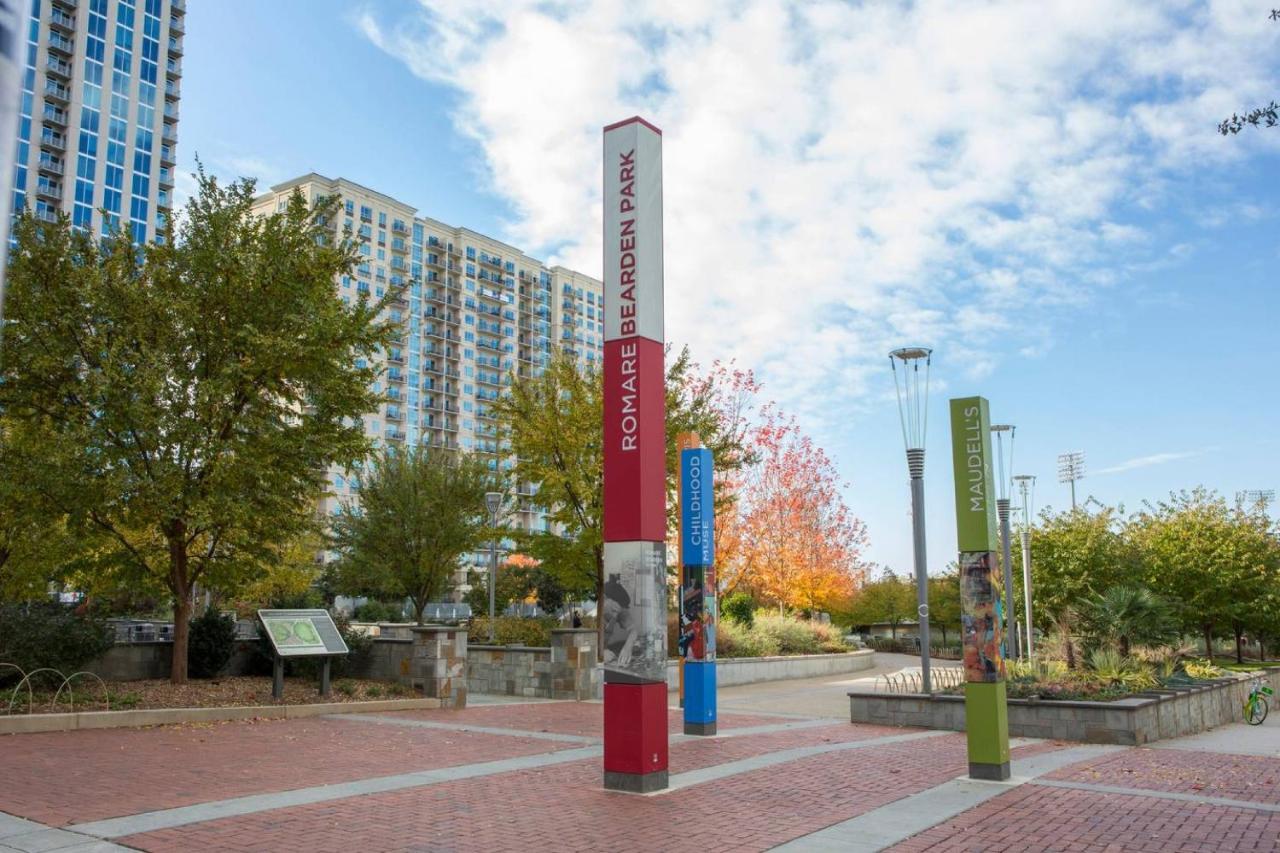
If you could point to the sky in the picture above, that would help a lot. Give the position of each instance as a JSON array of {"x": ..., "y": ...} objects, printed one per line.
[{"x": 1037, "y": 191}]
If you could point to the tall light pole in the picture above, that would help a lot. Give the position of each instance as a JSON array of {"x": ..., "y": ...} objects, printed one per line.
[
  {"x": 913, "y": 410},
  {"x": 493, "y": 502},
  {"x": 1070, "y": 469},
  {"x": 1027, "y": 486},
  {"x": 1004, "y": 484},
  {"x": 1260, "y": 498}
]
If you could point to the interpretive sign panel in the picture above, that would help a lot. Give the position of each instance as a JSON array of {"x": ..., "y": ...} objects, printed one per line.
[{"x": 302, "y": 633}]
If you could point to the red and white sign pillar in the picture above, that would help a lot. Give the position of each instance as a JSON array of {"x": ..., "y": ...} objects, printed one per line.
[{"x": 634, "y": 605}]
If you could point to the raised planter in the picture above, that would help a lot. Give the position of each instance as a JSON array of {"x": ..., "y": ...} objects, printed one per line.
[
  {"x": 1133, "y": 721},
  {"x": 27, "y": 723}
]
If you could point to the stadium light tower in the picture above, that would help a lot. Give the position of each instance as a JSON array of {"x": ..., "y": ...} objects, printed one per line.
[
  {"x": 1004, "y": 485},
  {"x": 1260, "y": 498},
  {"x": 1027, "y": 486},
  {"x": 913, "y": 410},
  {"x": 1070, "y": 469}
]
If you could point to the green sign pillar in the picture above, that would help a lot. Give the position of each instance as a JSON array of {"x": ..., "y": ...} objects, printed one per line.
[{"x": 986, "y": 712}]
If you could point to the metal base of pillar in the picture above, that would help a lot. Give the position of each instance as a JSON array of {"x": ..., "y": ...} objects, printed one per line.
[
  {"x": 635, "y": 783},
  {"x": 705, "y": 729},
  {"x": 989, "y": 772}
]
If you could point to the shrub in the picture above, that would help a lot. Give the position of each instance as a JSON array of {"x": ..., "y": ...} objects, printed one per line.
[
  {"x": 739, "y": 607},
  {"x": 48, "y": 634},
  {"x": 379, "y": 611},
  {"x": 1201, "y": 669},
  {"x": 513, "y": 630},
  {"x": 735, "y": 640},
  {"x": 210, "y": 644}
]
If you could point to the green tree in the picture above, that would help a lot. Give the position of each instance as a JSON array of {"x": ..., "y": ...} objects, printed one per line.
[
  {"x": 1075, "y": 555},
  {"x": 1210, "y": 560},
  {"x": 420, "y": 510},
  {"x": 186, "y": 396},
  {"x": 889, "y": 598},
  {"x": 553, "y": 424},
  {"x": 944, "y": 601},
  {"x": 1264, "y": 116}
]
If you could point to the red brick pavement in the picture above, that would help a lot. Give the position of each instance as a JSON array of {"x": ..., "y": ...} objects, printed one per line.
[
  {"x": 570, "y": 718},
  {"x": 564, "y": 807},
  {"x": 1253, "y": 778},
  {"x": 1040, "y": 818},
  {"x": 56, "y": 778}
]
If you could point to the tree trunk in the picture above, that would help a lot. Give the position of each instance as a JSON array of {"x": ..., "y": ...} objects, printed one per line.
[
  {"x": 1124, "y": 646},
  {"x": 599, "y": 552},
  {"x": 1239, "y": 631},
  {"x": 180, "y": 586},
  {"x": 1208, "y": 641},
  {"x": 419, "y": 605}
]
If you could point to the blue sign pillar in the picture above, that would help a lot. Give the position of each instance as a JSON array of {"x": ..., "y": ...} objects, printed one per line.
[{"x": 698, "y": 610}]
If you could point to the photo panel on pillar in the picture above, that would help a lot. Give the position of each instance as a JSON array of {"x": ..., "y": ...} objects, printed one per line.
[{"x": 635, "y": 611}]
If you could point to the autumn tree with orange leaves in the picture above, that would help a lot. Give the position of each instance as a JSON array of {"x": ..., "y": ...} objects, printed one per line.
[{"x": 794, "y": 543}]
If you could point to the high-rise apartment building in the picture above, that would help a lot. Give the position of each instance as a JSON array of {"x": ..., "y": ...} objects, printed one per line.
[
  {"x": 473, "y": 312},
  {"x": 97, "y": 123}
]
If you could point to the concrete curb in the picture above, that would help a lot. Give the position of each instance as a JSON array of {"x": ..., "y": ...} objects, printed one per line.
[{"x": 32, "y": 723}]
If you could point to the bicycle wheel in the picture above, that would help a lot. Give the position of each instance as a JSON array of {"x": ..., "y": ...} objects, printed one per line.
[{"x": 1257, "y": 711}]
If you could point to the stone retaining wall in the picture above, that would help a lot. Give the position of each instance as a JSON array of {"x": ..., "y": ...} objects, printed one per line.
[
  {"x": 732, "y": 671},
  {"x": 1147, "y": 717},
  {"x": 564, "y": 670}
]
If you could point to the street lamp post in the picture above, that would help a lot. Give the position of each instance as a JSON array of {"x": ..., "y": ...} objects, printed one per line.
[
  {"x": 1027, "y": 486},
  {"x": 913, "y": 410},
  {"x": 493, "y": 502},
  {"x": 1004, "y": 484}
]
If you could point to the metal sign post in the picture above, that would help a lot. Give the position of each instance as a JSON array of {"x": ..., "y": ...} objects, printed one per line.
[
  {"x": 698, "y": 590},
  {"x": 634, "y": 605},
  {"x": 986, "y": 712}
]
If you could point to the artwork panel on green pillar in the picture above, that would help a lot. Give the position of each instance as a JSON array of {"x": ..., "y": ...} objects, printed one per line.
[{"x": 971, "y": 458}]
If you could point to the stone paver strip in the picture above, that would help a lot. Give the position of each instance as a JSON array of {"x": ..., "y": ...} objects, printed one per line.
[
  {"x": 1040, "y": 817},
  {"x": 149, "y": 821},
  {"x": 565, "y": 807},
  {"x": 1160, "y": 795},
  {"x": 27, "y": 836},
  {"x": 92, "y": 775},
  {"x": 378, "y": 719},
  {"x": 1253, "y": 778},
  {"x": 770, "y": 759},
  {"x": 897, "y": 821}
]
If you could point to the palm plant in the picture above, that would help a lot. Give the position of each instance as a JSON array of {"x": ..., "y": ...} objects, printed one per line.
[{"x": 1125, "y": 615}]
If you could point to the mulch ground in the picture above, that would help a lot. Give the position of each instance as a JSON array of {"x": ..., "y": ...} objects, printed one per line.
[{"x": 202, "y": 693}]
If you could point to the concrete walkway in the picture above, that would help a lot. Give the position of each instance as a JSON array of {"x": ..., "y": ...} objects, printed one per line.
[{"x": 824, "y": 696}]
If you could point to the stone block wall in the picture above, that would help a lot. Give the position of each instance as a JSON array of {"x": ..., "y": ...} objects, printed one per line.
[
  {"x": 1137, "y": 720},
  {"x": 564, "y": 670},
  {"x": 439, "y": 664}
]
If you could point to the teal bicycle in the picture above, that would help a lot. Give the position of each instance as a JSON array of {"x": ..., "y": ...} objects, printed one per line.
[{"x": 1255, "y": 707}]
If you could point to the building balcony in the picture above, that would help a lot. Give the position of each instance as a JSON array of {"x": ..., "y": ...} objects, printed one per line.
[
  {"x": 174, "y": 68},
  {"x": 167, "y": 157},
  {"x": 60, "y": 20},
  {"x": 176, "y": 25},
  {"x": 56, "y": 92},
  {"x": 399, "y": 228},
  {"x": 58, "y": 68},
  {"x": 56, "y": 141},
  {"x": 53, "y": 115},
  {"x": 170, "y": 112},
  {"x": 170, "y": 135},
  {"x": 394, "y": 375},
  {"x": 395, "y": 435},
  {"x": 49, "y": 189},
  {"x": 50, "y": 165},
  {"x": 172, "y": 90},
  {"x": 175, "y": 46},
  {"x": 61, "y": 44},
  {"x": 178, "y": 7}
]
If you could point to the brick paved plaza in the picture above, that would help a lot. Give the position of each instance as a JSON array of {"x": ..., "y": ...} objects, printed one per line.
[{"x": 521, "y": 776}]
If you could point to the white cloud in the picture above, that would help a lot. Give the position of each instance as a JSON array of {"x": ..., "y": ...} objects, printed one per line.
[
  {"x": 843, "y": 178},
  {"x": 1148, "y": 461}
]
